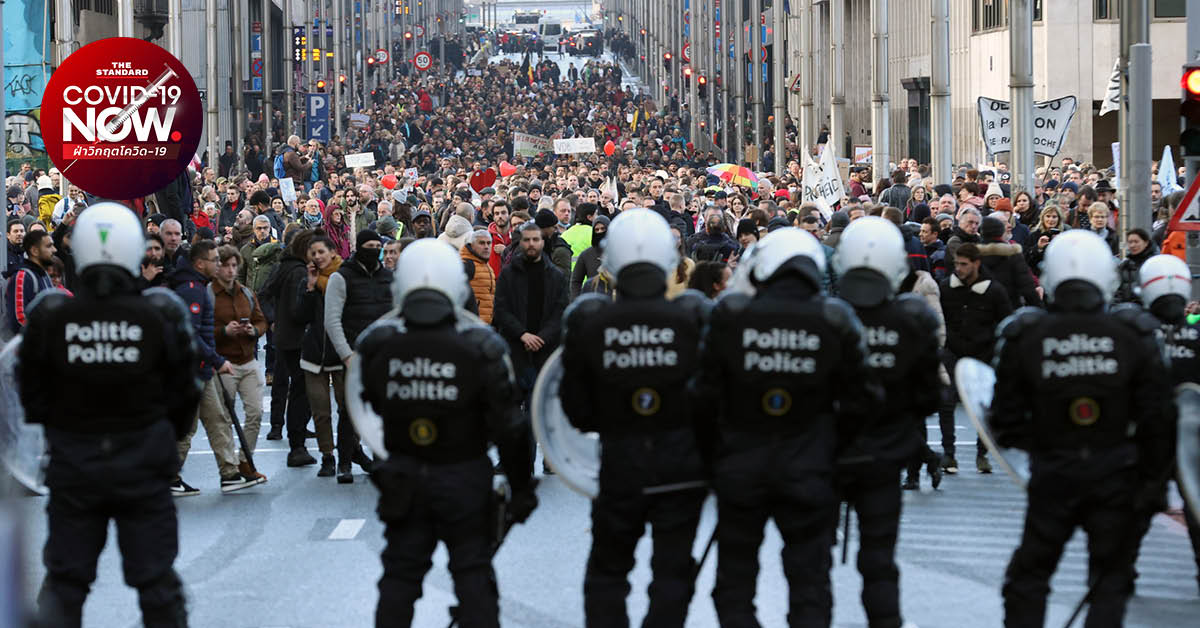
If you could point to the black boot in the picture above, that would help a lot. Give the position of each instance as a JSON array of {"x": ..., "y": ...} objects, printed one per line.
[
  {"x": 299, "y": 457},
  {"x": 344, "y": 476},
  {"x": 910, "y": 483},
  {"x": 364, "y": 461},
  {"x": 327, "y": 462}
]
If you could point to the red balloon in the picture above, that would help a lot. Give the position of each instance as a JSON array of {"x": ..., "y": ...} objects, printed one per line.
[
  {"x": 507, "y": 169},
  {"x": 609, "y": 148},
  {"x": 388, "y": 181}
]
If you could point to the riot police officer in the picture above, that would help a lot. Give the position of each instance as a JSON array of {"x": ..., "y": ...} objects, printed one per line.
[
  {"x": 1083, "y": 390},
  {"x": 442, "y": 385},
  {"x": 625, "y": 369},
  {"x": 901, "y": 333},
  {"x": 786, "y": 371},
  {"x": 1166, "y": 286},
  {"x": 132, "y": 363}
]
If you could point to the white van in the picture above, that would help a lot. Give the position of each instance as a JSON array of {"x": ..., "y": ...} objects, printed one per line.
[{"x": 550, "y": 30}]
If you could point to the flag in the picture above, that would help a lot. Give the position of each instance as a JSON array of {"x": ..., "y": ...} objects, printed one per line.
[
  {"x": 1167, "y": 177},
  {"x": 636, "y": 113},
  {"x": 526, "y": 70},
  {"x": 1112, "y": 96}
]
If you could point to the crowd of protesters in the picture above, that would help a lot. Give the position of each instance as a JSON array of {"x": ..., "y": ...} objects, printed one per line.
[{"x": 282, "y": 286}]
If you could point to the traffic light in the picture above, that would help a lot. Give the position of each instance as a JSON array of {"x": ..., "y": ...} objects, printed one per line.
[
  {"x": 643, "y": 32},
  {"x": 316, "y": 54},
  {"x": 408, "y": 35},
  {"x": 321, "y": 85},
  {"x": 1189, "y": 110},
  {"x": 702, "y": 80},
  {"x": 370, "y": 60},
  {"x": 687, "y": 72},
  {"x": 667, "y": 61}
]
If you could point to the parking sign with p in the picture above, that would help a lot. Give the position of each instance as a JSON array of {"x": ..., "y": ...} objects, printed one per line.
[{"x": 318, "y": 117}]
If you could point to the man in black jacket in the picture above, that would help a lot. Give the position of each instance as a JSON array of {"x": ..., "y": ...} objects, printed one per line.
[
  {"x": 289, "y": 401},
  {"x": 531, "y": 295},
  {"x": 1005, "y": 263},
  {"x": 972, "y": 304}
]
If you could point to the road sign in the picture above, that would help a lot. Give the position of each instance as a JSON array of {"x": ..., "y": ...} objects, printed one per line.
[
  {"x": 420, "y": 30},
  {"x": 256, "y": 83},
  {"x": 795, "y": 86},
  {"x": 256, "y": 67},
  {"x": 318, "y": 117},
  {"x": 256, "y": 27},
  {"x": 423, "y": 61},
  {"x": 1187, "y": 217},
  {"x": 381, "y": 56},
  {"x": 686, "y": 53}
]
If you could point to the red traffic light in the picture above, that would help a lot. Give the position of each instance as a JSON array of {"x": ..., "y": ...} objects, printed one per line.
[
  {"x": 702, "y": 80},
  {"x": 341, "y": 78},
  {"x": 408, "y": 34},
  {"x": 370, "y": 60},
  {"x": 687, "y": 72},
  {"x": 1191, "y": 82},
  {"x": 643, "y": 32},
  {"x": 321, "y": 84},
  {"x": 666, "y": 56}
]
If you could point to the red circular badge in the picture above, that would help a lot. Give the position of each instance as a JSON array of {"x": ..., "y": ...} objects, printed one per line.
[
  {"x": 121, "y": 118},
  {"x": 423, "y": 61}
]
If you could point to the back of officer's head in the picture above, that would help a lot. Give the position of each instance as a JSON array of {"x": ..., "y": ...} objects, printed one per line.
[
  {"x": 787, "y": 255},
  {"x": 640, "y": 251},
  {"x": 108, "y": 246},
  {"x": 430, "y": 284},
  {"x": 1080, "y": 272},
  {"x": 1165, "y": 283},
  {"x": 871, "y": 261}
]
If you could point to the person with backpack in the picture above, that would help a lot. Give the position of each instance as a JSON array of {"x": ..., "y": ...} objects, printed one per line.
[{"x": 291, "y": 162}]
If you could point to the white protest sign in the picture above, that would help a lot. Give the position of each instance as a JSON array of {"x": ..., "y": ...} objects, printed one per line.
[
  {"x": 575, "y": 145},
  {"x": 1112, "y": 96},
  {"x": 814, "y": 187},
  {"x": 359, "y": 120},
  {"x": 1051, "y": 121},
  {"x": 287, "y": 190},
  {"x": 410, "y": 173},
  {"x": 831, "y": 178},
  {"x": 527, "y": 145},
  {"x": 360, "y": 160}
]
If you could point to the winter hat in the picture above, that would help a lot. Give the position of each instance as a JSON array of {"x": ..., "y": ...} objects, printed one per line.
[
  {"x": 204, "y": 233},
  {"x": 777, "y": 222},
  {"x": 44, "y": 183},
  {"x": 992, "y": 228},
  {"x": 1004, "y": 205},
  {"x": 993, "y": 190},
  {"x": 458, "y": 231},
  {"x": 942, "y": 189},
  {"x": 157, "y": 219},
  {"x": 545, "y": 219},
  {"x": 941, "y": 217},
  {"x": 746, "y": 226},
  {"x": 386, "y": 226},
  {"x": 364, "y": 236},
  {"x": 1071, "y": 185},
  {"x": 1051, "y": 184},
  {"x": 15, "y": 191},
  {"x": 839, "y": 220},
  {"x": 420, "y": 213}
]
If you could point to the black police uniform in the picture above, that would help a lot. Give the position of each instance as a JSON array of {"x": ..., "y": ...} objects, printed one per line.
[
  {"x": 782, "y": 367},
  {"x": 1072, "y": 386},
  {"x": 443, "y": 390},
  {"x": 626, "y": 364},
  {"x": 133, "y": 367},
  {"x": 902, "y": 342},
  {"x": 1182, "y": 340}
]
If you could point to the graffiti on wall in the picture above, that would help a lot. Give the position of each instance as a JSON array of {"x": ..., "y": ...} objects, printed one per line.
[{"x": 24, "y": 133}]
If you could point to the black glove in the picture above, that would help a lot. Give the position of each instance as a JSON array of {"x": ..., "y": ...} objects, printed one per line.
[
  {"x": 1151, "y": 497},
  {"x": 523, "y": 502}
]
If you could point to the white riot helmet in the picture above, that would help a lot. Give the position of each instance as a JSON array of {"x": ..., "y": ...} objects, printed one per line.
[
  {"x": 1162, "y": 275},
  {"x": 639, "y": 236},
  {"x": 873, "y": 243},
  {"x": 782, "y": 246},
  {"x": 433, "y": 265},
  {"x": 1082, "y": 255},
  {"x": 108, "y": 234}
]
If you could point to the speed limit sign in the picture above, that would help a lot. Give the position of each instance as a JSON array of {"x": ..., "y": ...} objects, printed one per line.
[
  {"x": 420, "y": 30},
  {"x": 423, "y": 61},
  {"x": 687, "y": 52},
  {"x": 381, "y": 56}
]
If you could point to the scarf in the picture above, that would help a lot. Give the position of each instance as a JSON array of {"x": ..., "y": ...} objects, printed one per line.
[{"x": 323, "y": 275}]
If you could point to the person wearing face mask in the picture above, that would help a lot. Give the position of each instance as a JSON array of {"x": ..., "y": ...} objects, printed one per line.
[
  {"x": 356, "y": 296},
  {"x": 587, "y": 265}
]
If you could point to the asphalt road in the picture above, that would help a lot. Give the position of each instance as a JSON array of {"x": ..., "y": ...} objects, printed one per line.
[{"x": 302, "y": 551}]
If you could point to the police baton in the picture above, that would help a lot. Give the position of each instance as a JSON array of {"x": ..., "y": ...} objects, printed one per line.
[{"x": 237, "y": 427}]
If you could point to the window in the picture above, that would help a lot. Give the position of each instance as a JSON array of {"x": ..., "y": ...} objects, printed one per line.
[
  {"x": 1170, "y": 8},
  {"x": 1107, "y": 9},
  {"x": 989, "y": 15}
]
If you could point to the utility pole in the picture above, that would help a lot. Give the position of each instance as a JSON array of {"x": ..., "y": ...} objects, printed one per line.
[
  {"x": 339, "y": 64},
  {"x": 695, "y": 52},
  {"x": 175, "y": 27},
  {"x": 1020, "y": 31},
  {"x": 756, "y": 64},
  {"x": 289, "y": 69},
  {"x": 939, "y": 94},
  {"x": 879, "y": 89},
  {"x": 837, "y": 79},
  {"x": 727, "y": 144},
  {"x": 124, "y": 18},
  {"x": 739, "y": 84},
  {"x": 780, "y": 91},
  {"x": 1192, "y": 162},
  {"x": 1134, "y": 123},
  {"x": 210, "y": 78},
  {"x": 64, "y": 27},
  {"x": 237, "y": 87},
  {"x": 267, "y": 115},
  {"x": 310, "y": 44},
  {"x": 807, "y": 78}
]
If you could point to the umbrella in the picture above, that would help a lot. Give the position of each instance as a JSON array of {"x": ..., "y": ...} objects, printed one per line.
[{"x": 737, "y": 175}]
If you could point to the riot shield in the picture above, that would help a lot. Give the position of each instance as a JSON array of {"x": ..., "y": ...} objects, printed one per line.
[
  {"x": 976, "y": 384},
  {"x": 22, "y": 445},
  {"x": 1187, "y": 454},
  {"x": 574, "y": 455}
]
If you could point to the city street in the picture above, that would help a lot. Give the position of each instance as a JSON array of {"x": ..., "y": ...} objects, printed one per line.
[{"x": 302, "y": 551}]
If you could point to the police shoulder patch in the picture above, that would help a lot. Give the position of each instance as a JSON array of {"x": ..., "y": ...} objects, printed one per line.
[{"x": 1017, "y": 322}]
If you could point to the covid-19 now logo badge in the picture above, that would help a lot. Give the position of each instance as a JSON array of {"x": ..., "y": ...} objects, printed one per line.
[{"x": 121, "y": 118}]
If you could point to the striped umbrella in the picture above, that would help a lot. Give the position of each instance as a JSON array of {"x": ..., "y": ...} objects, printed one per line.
[{"x": 737, "y": 175}]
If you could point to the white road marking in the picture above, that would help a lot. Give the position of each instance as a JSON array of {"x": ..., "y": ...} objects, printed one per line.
[
  {"x": 346, "y": 529},
  {"x": 238, "y": 448}
]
